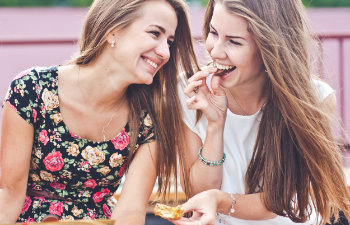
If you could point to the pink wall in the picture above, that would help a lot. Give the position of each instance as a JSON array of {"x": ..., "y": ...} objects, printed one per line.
[{"x": 47, "y": 36}]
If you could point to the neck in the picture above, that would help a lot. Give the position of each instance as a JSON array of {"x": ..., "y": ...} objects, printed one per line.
[
  {"x": 102, "y": 86},
  {"x": 246, "y": 100}
]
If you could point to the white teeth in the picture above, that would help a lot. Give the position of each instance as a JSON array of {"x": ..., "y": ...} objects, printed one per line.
[
  {"x": 223, "y": 67},
  {"x": 155, "y": 65}
]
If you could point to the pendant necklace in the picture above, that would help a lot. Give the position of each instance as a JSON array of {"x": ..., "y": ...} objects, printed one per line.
[{"x": 244, "y": 113}]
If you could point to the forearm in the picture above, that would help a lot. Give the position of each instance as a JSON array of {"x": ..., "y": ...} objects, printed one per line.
[
  {"x": 129, "y": 217},
  {"x": 11, "y": 204},
  {"x": 247, "y": 207},
  {"x": 204, "y": 177}
]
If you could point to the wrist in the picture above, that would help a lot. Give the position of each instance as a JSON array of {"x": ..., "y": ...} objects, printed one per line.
[
  {"x": 216, "y": 127},
  {"x": 226, "y": 203}
]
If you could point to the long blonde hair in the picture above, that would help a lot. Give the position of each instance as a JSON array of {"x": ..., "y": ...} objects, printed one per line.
[
  {"x": 160, "y": 99},
  {"x": 295, "y": 155}
]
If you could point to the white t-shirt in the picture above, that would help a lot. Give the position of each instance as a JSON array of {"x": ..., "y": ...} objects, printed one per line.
[{"x": 240, "y": 134}]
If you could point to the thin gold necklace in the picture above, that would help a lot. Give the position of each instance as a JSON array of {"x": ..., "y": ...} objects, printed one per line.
[
  {"x": 244, "y": 113},
  {"x": 103, "y": 131}
]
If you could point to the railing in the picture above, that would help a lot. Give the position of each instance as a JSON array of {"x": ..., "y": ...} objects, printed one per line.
[
  {"x": 47, "y": 36},
  {"x": 343, "y": 82}
]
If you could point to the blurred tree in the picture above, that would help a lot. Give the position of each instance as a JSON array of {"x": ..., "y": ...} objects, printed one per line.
[
  {"x": 35, "y": 3},
  {"x": 326, "y": 3}
]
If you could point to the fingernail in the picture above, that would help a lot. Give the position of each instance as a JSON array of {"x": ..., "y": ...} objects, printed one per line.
[{"x": 213, "y": 69}]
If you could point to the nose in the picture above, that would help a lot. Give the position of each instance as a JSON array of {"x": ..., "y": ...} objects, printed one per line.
[
  {"x": 162, "y": 50},
  {"x": 216, "y": 49}
]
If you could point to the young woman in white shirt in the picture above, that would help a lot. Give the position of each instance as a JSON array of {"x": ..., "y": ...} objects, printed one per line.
[{"x": 259, "y": 135}]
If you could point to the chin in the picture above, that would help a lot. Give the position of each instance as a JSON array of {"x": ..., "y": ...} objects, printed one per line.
[{"x": 147, "y": 81}]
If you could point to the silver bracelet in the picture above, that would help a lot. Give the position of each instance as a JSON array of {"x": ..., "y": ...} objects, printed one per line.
[{"x": 232, "y": 210}]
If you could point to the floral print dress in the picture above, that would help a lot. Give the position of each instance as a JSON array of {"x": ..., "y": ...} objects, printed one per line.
[{"x": 84, "y": 173}]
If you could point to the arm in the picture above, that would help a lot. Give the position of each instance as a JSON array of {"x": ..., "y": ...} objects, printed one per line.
[
  {"x": 204, "y": 177},
  {"x": 138, "y": 186},
  {"x": 15, "y": 153},
  {"x": 213, "y": 104},
  {"x": 206, "y": 204}
]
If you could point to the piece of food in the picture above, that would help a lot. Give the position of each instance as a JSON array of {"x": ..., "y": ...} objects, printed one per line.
[
  {"x": 220, "y": 72},
  {"x": 168, "y": 212}
]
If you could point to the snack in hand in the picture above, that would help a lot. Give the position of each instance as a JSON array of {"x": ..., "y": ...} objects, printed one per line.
[
  {"x": 168, "y": 212},
  {"x": 221, "y": 72}
]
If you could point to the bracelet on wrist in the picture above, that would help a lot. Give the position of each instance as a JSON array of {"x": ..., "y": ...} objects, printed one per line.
[
  {"x": 232, "y": 210},
  {"x": 210, "y": 163}
]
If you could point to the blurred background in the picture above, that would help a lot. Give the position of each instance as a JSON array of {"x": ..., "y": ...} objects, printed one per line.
[{"x": 46, "y": 32}]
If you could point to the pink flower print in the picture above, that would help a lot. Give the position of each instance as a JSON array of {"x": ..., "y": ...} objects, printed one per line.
[
  {"x": 22, "y": 74},
  {"x": 90, "y": 183},
  {"x": 121, "y": 141},
  {"x": 30, "y": 220},
  {"x": 98, "y": 196},
  {"x": 43, "y": 138},
  {"x": 41, "y": 199},
  {"x": 122, "y": 170},
  {"x": 34, "y": 115},
  {"x": 56, "y": 185},
  {"x": 106, "y": 210},
  {"x": 27, "y": 203},
  {"x": 12, "y": 106},
  {"x": 53, "y": 161},
  {"x": 56, "y": 208},
  {"x": 73, "y": 135}
]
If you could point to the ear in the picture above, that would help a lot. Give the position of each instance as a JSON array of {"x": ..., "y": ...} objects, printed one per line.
[{"x": 111, "y": 38}]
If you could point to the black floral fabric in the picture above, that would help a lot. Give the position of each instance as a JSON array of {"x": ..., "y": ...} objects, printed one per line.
[{"x": 83, "y": 172}]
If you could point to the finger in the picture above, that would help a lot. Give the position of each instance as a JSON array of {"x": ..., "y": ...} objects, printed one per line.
[
  {"x": 200, "y": 75},
  {"x": 191, "y": 102},
  {"x": 191, "y": 87},
  {"x": 216, "y": 87}
]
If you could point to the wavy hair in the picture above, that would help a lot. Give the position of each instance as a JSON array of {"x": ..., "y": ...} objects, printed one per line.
[
  {"x": 160, "y": 99},
  {"x": 295, "y": 156}
]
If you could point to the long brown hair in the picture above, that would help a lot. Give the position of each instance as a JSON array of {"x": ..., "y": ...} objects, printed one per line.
[
  {"x": 160, "y": 99},
  {"x": 295, "y": 156}
]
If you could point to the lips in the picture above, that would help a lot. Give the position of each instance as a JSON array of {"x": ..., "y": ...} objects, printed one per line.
[{"x": 151, "y": 62}]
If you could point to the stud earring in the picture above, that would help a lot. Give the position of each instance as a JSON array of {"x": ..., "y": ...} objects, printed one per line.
[{"x": 112, "y": 45}]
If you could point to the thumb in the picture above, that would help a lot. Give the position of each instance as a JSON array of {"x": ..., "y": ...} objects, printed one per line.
[{"x": 216, "y": 87}]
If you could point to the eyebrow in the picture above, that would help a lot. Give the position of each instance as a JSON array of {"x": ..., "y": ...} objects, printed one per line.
[
  {"x": 228, "y": 36},
  {"x": 163, "y": 31}
]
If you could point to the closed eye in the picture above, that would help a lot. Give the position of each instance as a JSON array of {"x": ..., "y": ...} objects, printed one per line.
[
  {"x": 154, "y": 33},
  {"x": 213, "y": 32},
  {"x": 235, "y": 42}
]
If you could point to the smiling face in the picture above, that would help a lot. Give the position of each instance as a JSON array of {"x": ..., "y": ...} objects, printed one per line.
[
  {"x": 143, "y": 47},
  {"x": 232, "y": 48}
]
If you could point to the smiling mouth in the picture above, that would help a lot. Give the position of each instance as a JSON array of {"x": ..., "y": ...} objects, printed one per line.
[
  {"x": 151, "y": 63},
  {"x": 221, "y": 72}
]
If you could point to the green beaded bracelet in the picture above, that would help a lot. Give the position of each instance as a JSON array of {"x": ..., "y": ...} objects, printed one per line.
[{"x": 210, "y": 163}]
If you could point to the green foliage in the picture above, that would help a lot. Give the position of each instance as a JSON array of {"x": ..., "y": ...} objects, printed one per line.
[
  {"x": 326, "y": 3},
  {"x": 35, "y": 3}
]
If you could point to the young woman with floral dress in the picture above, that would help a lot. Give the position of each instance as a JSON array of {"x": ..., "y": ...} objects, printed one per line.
[{"x": 69, "y": 133}]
